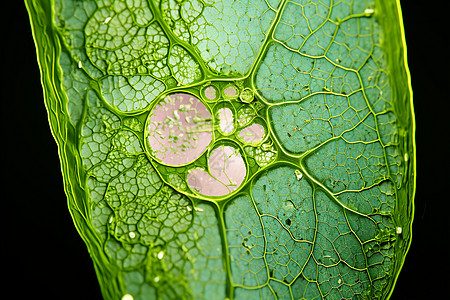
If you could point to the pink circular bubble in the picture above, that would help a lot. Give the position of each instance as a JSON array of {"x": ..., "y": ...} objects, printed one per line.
[
  {"x": 211, "y": 92},
  {"x": 230, "y": 91},
  {"x": 252, "y": 134},
  {"x": 226, "y": 120},
  {"x": 179, "y": 129},
  {"x": 226, "y": 173}
]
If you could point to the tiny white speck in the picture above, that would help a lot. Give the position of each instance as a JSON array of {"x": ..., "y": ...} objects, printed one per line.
[
  {"x": 406, "y": 157},
  {"x": 399, "y": 230},
  {"x": 160, "y": 255},
  {"x": 107, "y": 20},
  {"x": 198, "y": 209},
  {"x": 156, "y": 279},
  {"x": 79, "y": 65},
  {"x": 298, "y": 174},
  {"x": 127, "y": 297},
  {"x": 189, "y": 208},
  {"x": 369, "y": 11},
  {"x": 111, "y": 219},
  {"x": 132, "y": 234}
]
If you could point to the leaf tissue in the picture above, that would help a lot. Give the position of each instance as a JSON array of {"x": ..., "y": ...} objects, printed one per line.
[{"x": 259, "y": 149}]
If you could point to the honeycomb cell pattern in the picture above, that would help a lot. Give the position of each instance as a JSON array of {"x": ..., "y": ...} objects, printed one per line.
[{"x": 294, "y": 195}]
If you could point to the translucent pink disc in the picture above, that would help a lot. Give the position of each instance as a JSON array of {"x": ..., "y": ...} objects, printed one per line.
[
  {"x": 227, "y": 172},
  {"x": 252, "y": 134},
  {"x": 226, "y": 122},
  {"x": 230, "y": 91},
  {"x": 179, "y": 130},
  {"x": 211, "y": 92}
]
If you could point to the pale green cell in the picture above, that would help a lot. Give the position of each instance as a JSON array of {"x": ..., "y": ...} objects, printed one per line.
[
  {"x": 174, "y": 14},
  {"x": 263, "y": 155},
  {"x": 364, "y": 132},
  {"x": 285, "y": 255},
  {"x": 225, "y": 23},
  {"x": 134, "y": 124},
  {"x": 318, "y": 42},
  {"x": 335, "y": 165},
  {"x": 117, "y": 45},
  {"x": 137, "y": 286},
  {"x": 302, "y": 126},
  {"x": 376, "y": 83},
  {"x": 379, "y": 198},
  {"x": 126, "y": 257},
  {"x": 352, "y": 44},
  {"x": 309, "y": 32},
  {"x": 338, "y": 246},
  {"x": 132, "y": 93},
  {"x": 246, "y": 243},
  {"x": 261, "y": 293},
  {"x": 197, "y": 256},
  {"x": 127, "y": 142},
  {"x": 76, "y": 86},
  {"x": 285, "y": 75},
  {"x": 184, "y": 68},
  {"x": 99, "y": 126},
  {"x": 288, "y": 218},
  {"x": 304, "y": 289},
  {"x": 71, "y": 19},
  {"x": 281, "y": 290},
  {"x": 140, "y": 11},
  {"x": 122, "y": 149},
  {"x": 101, "y": 212}
]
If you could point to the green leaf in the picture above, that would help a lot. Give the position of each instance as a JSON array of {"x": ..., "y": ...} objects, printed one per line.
[{"x": 232, "y": 150}]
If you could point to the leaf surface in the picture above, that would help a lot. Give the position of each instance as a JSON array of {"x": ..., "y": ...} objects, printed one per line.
[{"x": 233, "y": 149}]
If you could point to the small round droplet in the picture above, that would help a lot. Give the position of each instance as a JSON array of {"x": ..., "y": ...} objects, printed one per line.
[
  {"x": 226, "y": 120},
  {"x": 211, "y": 92},
  {"x": 156, "y": 279},
  {"x": 127, "y": 297},
  {"x": 230, "y": 91},
  {"x": 399, "y": 230},
  {"x": 246, "y": 95},
  {"x": 132, "y": 234},
  {"x": 298, "y": 174},
  {"x": 160, "y": 255},
  {"x": 252, "y": 134}
]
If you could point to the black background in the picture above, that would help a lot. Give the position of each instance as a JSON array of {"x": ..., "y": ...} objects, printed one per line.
[{"x": 43, "y": 255}]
